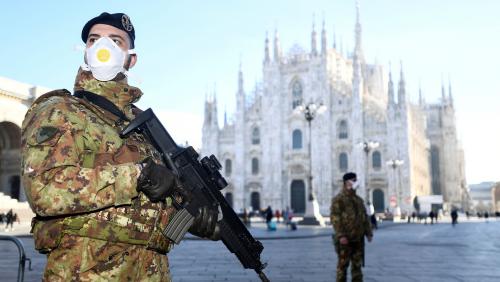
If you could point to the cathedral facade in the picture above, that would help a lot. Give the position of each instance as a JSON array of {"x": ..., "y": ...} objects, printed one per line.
[{"x": 269, "y": 151}]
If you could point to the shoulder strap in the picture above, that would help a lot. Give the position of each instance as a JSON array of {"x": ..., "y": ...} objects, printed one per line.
[{"x": 102, "y": 103}]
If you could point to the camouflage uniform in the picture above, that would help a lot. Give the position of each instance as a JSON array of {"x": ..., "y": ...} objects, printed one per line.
[
  {"x": 349, "y": 219},
  {"x": 80, "y": 178}
]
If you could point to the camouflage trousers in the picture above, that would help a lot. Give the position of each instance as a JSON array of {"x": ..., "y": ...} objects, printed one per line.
[
  {"x": 85, "y": 259},
  {"x": 352, "y": 252}
]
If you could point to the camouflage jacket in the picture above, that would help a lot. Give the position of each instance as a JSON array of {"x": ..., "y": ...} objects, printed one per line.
[
  {"x": 348, "y": 216},
  {"x": 71, "y": 167}
]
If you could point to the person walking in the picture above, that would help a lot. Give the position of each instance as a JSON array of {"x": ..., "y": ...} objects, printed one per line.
[
  {"x": 431, "y": 215},
  {"x": 372, "y": 216},
  {"x": 454, "y": 217},
  {"x": 277, "y": 214},
  {"x": 351, "y": 225}
]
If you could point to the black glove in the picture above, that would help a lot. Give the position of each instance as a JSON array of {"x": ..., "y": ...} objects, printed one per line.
[
  {"x": 156, "y": 181},
  {"x": 205, "y": 224}
]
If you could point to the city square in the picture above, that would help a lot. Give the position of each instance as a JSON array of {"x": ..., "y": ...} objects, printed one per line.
[
  {"x": 399, "y": 252},
  {"x": 334, "y": 116}
]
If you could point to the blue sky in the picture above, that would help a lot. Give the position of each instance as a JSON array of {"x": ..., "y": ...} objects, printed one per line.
[{"x": 187, "y": 48}]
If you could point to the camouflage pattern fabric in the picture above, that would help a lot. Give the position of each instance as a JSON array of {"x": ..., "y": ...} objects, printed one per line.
[
  {"x": 349, "y": 219},
  {"x": 86, "y": 259},
  {"x": 352, "y": 252},
  {"x": 76, "y": 167}
]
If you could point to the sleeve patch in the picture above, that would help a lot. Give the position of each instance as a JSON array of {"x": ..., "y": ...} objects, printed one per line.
[{"x": 46, "y": 133}]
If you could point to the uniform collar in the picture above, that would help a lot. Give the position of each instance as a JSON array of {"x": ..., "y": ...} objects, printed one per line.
[
  {"x": 348, "y": 192},
  {"x": 118, "y": 92}
]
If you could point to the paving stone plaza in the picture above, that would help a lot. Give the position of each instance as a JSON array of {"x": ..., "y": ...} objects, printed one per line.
[{"x": 400, "y": 252}]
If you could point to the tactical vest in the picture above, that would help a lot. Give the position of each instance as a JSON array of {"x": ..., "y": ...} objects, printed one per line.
[{"x": 139, "y": 224}]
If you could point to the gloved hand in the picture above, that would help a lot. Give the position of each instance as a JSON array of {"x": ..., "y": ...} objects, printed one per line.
[
  {"x": 156, "y": 181},
  {"x": 205, "y": 224}
]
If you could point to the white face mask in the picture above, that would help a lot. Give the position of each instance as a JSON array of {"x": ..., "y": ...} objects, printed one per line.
[
  {"x": 355, "y": 185},
  {"x": 105, "y": 59}
]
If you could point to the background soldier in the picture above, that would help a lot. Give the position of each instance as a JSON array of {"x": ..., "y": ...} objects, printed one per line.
[
  {"x": 101, "y": 201},
  {"x": 351, "y": 224}
]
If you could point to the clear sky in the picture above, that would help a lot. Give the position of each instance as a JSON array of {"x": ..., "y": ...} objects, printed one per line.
[{"x": 186, "y": 48}]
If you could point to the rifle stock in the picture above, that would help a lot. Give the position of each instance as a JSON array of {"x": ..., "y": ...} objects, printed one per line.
[{"x": 203, "y": 182}]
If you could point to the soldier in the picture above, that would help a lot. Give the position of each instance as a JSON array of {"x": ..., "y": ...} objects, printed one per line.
[
  {"x": 351, "y": 225},
  {"x": 100, "y": 201}
]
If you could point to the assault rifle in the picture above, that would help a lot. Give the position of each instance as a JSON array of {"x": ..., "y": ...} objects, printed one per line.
[{"x": 203, "y": 183}]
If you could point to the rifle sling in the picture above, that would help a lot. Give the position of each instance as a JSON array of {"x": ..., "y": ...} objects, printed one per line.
[{"x": 102, "y": 103}]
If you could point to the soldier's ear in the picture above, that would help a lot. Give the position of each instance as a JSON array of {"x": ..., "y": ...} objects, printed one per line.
[{"x": 133, "y": 60}]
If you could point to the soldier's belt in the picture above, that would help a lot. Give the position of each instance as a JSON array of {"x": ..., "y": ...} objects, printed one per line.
[{"x": 111, "y": 232}]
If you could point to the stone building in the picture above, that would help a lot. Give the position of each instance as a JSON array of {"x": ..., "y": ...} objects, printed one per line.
[
  {"x": 15, "y": 99},
  {"x": 264, "y": 150}
]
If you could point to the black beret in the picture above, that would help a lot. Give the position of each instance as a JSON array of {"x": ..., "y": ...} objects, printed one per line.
[
  {"x": 349, "y": 176},
  {"x": 118, "y": 20}
]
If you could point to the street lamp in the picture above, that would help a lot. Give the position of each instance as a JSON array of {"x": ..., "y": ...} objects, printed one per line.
[
  {"x": 395, "y": 163},
  {"x": 368, "y": 146},
  {"x": 312, "y": 215}
]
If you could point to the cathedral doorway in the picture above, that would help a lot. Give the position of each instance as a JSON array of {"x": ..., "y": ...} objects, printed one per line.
[
  {"x": 15, "y": 187},
  {"x": 10, "y": 159},
  {"x": 229, "y": 198},
  {"x": 298, "y": 196},
  {"x": 378, "y": 200},
  {"x": 255, "y": 201}
]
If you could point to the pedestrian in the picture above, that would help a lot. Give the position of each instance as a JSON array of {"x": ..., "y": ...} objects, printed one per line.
[
  {"x": 9, "y": 220},
  {"x": 372, "y": 216},
  {"x": 285, "y": 216},
  {"x": 431, "y": 215},
  {"x": 277, "y": 214},
  {"x": 246, "y": 217},
  {"x": 486, "y": 215},
  {"x": 454, "y": 217},
  {"x": 413, "y": 215},
  {"x": 351, "y": 225},
  {"x": 101, "y": 201},
  {"x": 293, "y": 225}
]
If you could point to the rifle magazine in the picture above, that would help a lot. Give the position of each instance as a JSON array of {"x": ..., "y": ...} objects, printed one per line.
[{"x": 178, "y": 226}]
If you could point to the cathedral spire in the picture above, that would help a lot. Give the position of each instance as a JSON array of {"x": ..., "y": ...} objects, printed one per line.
[
  {"x": 215, "y": 115},
  {"x": 450, "y": 97},
  {"x": 420, "y": 96},
  {"x": 342, "y": 46},
  {"x": 323, "y": 39},
  {"x": 267, "y": 57},
  {"x": 334, "y": 39},
  {"x": 277, "y": 48},
  {"x": 314, "y": 49},
  {"x": 443, "y": 92},
  {"x": 240, "y": 79},
  {"x": 401, "y": 88},
  {"x": 358, "y": 52},
  {"x": 391, "y": 88},
  {"x": 225, "y": 116}
]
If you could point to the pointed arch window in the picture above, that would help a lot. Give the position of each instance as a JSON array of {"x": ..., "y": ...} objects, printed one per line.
[
  {"x": 343, "y": 162},
  {"x": 255, "y": 136},
  {"x": 296, "y": 94},
  {"x": 228, "y": 167},
  {"x": 297, "y": 139},
  {"x": 376, "y": 160},
  {"x": 343, "y": 132},
  {"x": 255, "y": 166}
]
